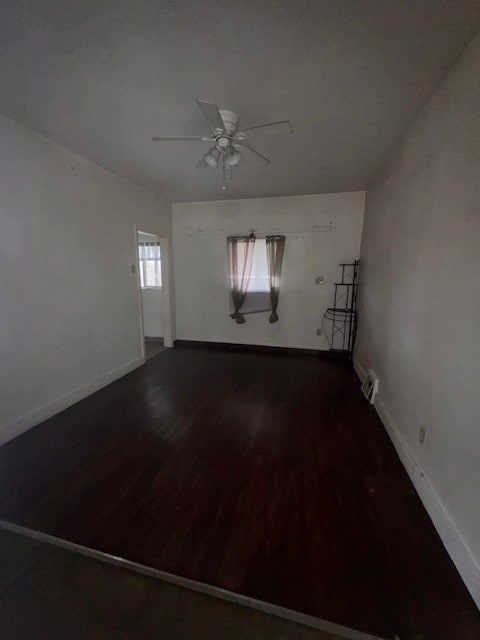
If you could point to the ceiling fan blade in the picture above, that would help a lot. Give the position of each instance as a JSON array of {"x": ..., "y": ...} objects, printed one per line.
[
  {"x": 269, "y": 129},
  {"x": 212, "y": 114},
  {"x": 201, "y": 163},
  {"x": 251, "y": 154},
  {"x": 157, "y": 139}
]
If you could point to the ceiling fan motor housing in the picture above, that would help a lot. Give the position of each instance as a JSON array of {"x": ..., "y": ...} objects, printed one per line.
[{"x": 223, "y": 142}]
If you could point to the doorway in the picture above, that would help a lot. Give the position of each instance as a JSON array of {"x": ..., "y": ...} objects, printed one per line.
[{"x": 154, "y": 296}]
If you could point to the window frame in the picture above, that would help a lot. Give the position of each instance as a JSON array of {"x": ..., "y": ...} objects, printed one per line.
[{"x": 143, "y": 271}]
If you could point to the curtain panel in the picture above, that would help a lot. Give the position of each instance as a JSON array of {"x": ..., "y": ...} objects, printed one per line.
[
  {"x": 240, "y": 254},
  {"x": 275, "y": 250}
]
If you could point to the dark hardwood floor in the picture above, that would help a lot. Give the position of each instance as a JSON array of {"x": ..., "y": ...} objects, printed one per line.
[{"x": 268, "y": 475}]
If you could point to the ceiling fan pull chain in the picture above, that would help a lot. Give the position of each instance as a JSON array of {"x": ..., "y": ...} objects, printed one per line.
[{"x": 224, "y": 185}]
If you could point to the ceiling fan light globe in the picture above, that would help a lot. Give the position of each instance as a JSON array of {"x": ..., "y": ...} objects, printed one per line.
[
  {"x": 210, "y": 160},
  {"x": 212, "y": 157},
  {"x": 233, "y": 158}
]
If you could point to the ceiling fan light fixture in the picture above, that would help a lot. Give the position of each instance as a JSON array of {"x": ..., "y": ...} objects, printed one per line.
[
  {"x": 212, "y": 157},
  {"x": 227, "y": 140},
  {"x": 233, "y": 157}
]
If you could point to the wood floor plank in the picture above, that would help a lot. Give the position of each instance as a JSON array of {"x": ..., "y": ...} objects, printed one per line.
[{"x": 267, "y": 475}]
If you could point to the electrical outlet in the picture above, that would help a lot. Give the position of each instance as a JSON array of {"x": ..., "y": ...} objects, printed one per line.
[
  {"x": 421, "y": 435},
  {"x": 319, "y": 279},
  {"x": 319, "y": 332}
]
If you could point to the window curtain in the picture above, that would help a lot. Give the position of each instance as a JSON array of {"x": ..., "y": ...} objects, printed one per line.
[
  {"x": 150, "y": 264},
  {"x": 275, "y": 250},
  {"x": 240, "y": 254}
]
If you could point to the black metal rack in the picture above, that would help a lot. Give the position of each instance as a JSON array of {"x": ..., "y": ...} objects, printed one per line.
[{"x": 343, "y": 314}]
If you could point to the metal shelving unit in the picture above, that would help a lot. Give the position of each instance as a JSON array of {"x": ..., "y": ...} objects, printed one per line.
[{"x": 343, "y": 314}]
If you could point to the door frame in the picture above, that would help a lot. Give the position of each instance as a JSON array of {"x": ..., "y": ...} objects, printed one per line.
[{"x": 167, "y": 284}]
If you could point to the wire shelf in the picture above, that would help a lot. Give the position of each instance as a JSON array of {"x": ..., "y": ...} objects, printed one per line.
[{"x": 343, "y": 314}]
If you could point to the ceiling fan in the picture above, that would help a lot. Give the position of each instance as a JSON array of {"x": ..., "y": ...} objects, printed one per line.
[{"x": 229, "y": 144}]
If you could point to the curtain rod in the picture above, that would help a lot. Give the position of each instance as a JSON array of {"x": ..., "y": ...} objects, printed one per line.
[{"x": 200, "y": 232}]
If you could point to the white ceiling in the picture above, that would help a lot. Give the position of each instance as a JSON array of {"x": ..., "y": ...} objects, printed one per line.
[{"x": 102, "y": 77}]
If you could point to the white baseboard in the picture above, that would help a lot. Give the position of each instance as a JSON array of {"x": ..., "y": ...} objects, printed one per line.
[
  {"x": 359, "y": 370},
  {"x": 452, "y": 539},
  {"x": 39, "y": 414}
]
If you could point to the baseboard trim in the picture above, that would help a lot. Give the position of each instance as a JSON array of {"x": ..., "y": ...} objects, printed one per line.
[
  {"x": 359, "y": 370},
  {"x": 452, "y": 539},
  {"x": 193, "y": 585},
  {"x": 259, "y": 348},
  {"x": 39, "y": 414}
]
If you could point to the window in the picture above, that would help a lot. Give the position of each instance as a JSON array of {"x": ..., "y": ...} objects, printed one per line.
[
  {"x": 258, "y": 291},
  {"x": 259, "y": 275},
  {"x": 150, "y": 265}
]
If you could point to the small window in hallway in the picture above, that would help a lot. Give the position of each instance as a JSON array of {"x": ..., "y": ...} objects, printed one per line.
[{"x": 150, "y": 265}]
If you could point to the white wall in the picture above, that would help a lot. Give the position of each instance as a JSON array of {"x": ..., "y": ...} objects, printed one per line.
[
  {"x": 152, "y": 313},
  {"x": 201, "y": 272},
  {"x": 420, "y": 307},
  {"x": 70, "y": 319}
]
